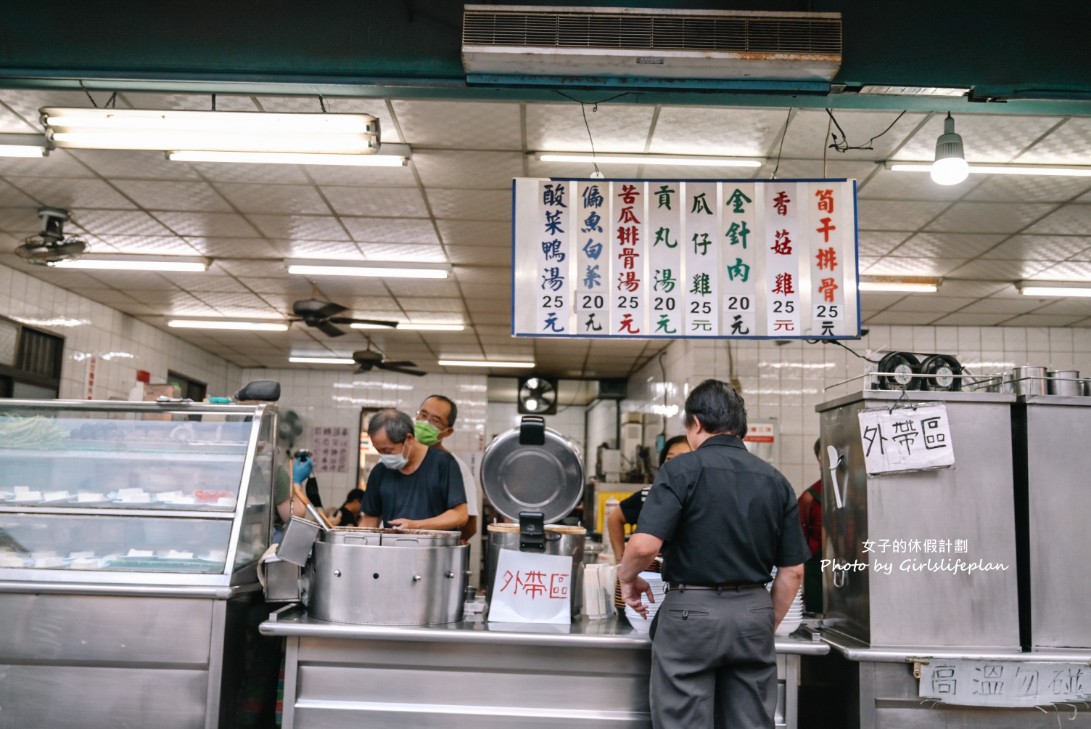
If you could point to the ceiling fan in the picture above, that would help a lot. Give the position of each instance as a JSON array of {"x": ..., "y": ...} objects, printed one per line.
[
  {"x": 366, "y": 359},
  {"x": 51, "y": 245},
  {"x": 324, "y": 315}
]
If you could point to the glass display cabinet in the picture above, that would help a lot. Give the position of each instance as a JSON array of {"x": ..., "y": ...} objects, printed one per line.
[{"x": 130, "y": 534}]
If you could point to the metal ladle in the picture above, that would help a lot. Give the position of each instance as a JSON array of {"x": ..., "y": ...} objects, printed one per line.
[{"x": 835, "y": 460}]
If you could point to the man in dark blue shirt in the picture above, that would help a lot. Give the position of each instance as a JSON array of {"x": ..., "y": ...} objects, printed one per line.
[
  {"x": 413, "y": 486},
  {"x": 723, "y": 519}
]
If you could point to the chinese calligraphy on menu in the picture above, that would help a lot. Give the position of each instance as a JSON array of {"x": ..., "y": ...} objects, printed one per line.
[
  {"x": 330, "y": 448},
  {"x": 632, "y": 258}
]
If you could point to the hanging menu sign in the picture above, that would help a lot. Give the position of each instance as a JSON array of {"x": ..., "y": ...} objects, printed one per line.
[{"x": 703, "y": 258}]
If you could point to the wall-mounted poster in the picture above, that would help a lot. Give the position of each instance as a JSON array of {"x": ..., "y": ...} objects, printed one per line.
[{"x": 760, "y": 259}]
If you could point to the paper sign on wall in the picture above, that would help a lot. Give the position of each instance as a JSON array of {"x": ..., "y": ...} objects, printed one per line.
[
  {"x": 531, "y": 588},
  {"x": 1004, "y": 683},
  {"x": 906, "y": 439}
]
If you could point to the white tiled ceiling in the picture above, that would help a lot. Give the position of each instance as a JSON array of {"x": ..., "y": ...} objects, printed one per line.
[{"x": 452, "y": 204}]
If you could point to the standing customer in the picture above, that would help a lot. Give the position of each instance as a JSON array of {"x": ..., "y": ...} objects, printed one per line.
[
  {"x": 413, "y": 486},
  {"x": 723, "y": 518},
  {"x": 435, "y": 421}
]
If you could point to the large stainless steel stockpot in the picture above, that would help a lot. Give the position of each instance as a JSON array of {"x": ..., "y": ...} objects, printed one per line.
[
  {"x": 388, "y": 577},
  {"x": 560, "y": 540}
]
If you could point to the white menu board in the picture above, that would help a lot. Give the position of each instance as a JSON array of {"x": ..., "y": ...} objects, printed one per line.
[{"x": 774, "y": 259}]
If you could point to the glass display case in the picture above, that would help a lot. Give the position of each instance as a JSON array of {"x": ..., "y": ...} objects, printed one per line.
[
  {"x": 170, "y": 488},
  {"x": 130, "y": 534}
]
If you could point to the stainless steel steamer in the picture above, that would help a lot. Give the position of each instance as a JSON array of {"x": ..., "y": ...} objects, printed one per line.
[
  {"x": 387, "y": 577},
  {"x": 533, "y": 470}
]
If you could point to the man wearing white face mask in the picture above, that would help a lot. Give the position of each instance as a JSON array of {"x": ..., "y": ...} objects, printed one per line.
[
  {"x": 413, "y": 486},
  {"x": 435, "y": 422}
]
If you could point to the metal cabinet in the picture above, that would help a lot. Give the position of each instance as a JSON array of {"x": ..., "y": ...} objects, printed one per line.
[{"x": 129, "y": 539}]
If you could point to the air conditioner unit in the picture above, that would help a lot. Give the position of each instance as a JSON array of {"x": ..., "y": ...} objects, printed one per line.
[{"x": 650, "y": 43}]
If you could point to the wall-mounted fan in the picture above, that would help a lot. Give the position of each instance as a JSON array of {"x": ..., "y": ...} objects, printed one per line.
[
  {"x": 366, "y": 359},
  {"x": 324, "y": 315},
  {"x": 289, "y": 428},
  {"x": 50, "y": 245},
  {"x": 537, "y": 396}
]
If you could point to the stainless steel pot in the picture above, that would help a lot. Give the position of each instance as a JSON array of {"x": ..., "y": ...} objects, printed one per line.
[
  {"x": 1029, "y": 380},
  {"x": 559, "y": 540},
  {"x": 388, "y": 577},
  {"x": 1064, "y": 382}
]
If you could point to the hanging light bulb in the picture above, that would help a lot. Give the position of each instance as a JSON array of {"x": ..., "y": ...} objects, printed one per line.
[{"x": 949, "y": 167}]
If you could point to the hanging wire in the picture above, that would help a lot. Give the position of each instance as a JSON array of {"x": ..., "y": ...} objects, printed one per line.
[
  {"x": 781, "y": 148},
  {"x": 583, "y": 110},
  {"x": 322, "y": 104},
  {"x": 92, "y": 98},
  {"x": 214, "y": 102},
  {"x": 850, "y": 350},
  {"x": 844, "y": 146},
  {"x": 825, "y": 148}
]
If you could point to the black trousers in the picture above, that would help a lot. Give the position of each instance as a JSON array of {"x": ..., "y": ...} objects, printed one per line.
[{"x": 714, "y": 660}]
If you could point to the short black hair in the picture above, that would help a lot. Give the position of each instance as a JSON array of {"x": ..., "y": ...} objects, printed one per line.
[
  {"x": 454, "y": 408},
  {"x": 396, "y": 424},
  {"x": 667, "y": 447},
  {"x": 718, "y": 406},
  {"x": 354, "y": 495}
]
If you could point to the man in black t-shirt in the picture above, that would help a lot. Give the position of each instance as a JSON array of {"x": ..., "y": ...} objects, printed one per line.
[
  {"x": 413, "y": 486},
  {"x": 723, "y": 519}
]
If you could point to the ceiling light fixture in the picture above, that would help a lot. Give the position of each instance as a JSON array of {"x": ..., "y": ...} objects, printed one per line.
[
  {"x": 321, "y": 360},
  {"x": 377, "y": 269},
  {"x": 989, "y": 168},
  {"x": 250, "y": 326},
  {"x": 481, "y": 363},
  {"x": 225, "y": 131},
  {"x": 1054, "y": 288},
  {"x": 416, "y": 327},
  {"x": 949, "y": 166},
  {"x": 107, "y": 262},
  {"x": 650, "y": 159},
  {"x": 23, "y": 145},
  {"x": 389, "y": 155},
  {"x": 904, "y": 284}
]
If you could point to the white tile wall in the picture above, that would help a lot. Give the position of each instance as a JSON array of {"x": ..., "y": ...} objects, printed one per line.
[
  {"x": 120, "y": 344},
  {"x": 787, "y": 381}
]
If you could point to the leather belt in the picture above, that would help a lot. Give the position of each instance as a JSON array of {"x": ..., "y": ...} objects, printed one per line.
[{"x": 682, "y": 587}]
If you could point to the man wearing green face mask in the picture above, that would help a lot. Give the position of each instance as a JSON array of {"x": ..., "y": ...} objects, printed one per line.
[{"x": 435, "y": 422}]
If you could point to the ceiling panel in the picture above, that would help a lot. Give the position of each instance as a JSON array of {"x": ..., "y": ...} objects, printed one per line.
[{"x": 452, "y": 204}]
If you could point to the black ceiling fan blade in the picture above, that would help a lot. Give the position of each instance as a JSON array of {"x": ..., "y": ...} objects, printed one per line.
[
  {"x": 329, "y": 329},
  {"x": 402, "y": 370},
  {"x": 314, "y": 309},
  {"x": 374, "y": 322},
  {"x": 399, "y": 363}
]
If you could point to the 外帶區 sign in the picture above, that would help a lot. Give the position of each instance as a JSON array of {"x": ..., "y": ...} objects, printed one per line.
[
  {"x": 698, "y": 258},
  {"x": 531, "y": 588},
  {"x": 906, "y": 439}
]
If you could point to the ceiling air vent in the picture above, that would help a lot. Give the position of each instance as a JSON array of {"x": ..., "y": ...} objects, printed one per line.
[{"x": 629, "y": 42}]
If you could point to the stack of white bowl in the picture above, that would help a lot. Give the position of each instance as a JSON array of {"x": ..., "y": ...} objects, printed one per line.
[
  {"x": 655, "y": 581},
  {"x": 794, "y": 617}
]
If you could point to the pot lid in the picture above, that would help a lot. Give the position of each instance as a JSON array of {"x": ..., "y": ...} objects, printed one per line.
[{"x": 532, "y": 468}]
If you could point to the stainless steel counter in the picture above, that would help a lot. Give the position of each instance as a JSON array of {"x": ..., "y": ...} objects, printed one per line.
[{"x": 587, "y": 674}]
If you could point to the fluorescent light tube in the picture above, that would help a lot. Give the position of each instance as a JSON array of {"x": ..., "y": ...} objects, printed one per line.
[
  {"x": 904, "y": 284},
  {"x": 982, "y": 168},
  {"x": 392, "y": 159},
  {"x": 481, "y": 363},
  {"x": 251, "y": 326},
  {"x": 211, "y": 131},
  {"x": 23, "y": 145},
  {"x": 649, "y": 159},
  {"x": 135, "y": 263},
  {"x": 321, "y": 360},
  {"x": 370, "y": 269},
  {"x": 408, "y": 325},
  {"x": 1046, "y": 288}
]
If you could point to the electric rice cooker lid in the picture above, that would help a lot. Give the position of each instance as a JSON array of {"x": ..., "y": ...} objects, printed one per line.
[{"x": 532, "y": 468}]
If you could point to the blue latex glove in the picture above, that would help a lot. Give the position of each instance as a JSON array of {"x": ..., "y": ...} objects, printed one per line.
[{"x": 302, "y": 468}]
